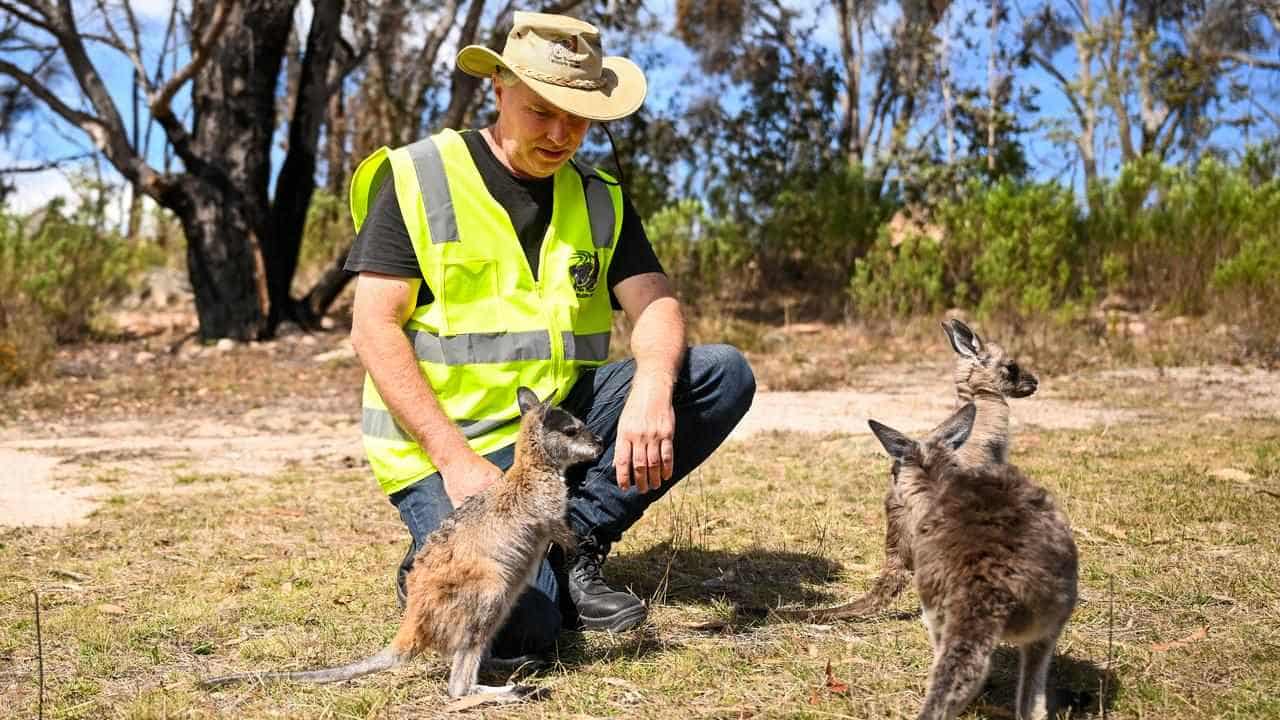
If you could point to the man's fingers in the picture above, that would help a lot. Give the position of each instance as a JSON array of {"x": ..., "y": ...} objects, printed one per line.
[
  {"x": 640, "y": 467},
  {"x": 655, "y": 465},
  {"x": 668, "y": 452},
  {"x": 622, "y": 463}
]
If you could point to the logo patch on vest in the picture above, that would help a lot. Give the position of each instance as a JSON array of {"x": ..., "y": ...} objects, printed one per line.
[{"x": 584, "y": 270}]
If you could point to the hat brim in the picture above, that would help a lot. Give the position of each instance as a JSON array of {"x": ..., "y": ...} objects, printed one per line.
[{"x": 621, "y": 95}]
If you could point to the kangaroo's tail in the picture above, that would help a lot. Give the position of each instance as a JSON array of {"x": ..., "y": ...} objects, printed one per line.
[
  {"x": 888, "y": 585},
  {"x": 386, "y": 659}
]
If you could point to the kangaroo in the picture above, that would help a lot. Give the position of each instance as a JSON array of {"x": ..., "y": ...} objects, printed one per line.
[
  {"x": 471, "y": 570},
  {"x": 994, "y": 561},
  {"x": 984, "y": 375}
]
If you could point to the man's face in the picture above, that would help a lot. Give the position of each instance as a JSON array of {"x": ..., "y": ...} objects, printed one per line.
[{"x": 536, "y": 136}]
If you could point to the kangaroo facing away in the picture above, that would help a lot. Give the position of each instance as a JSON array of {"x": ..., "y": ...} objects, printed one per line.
[
  {"x": 994, "y": 561},
  {"x": 471, "y": 570},
  {"x": 984, "y": 375}
]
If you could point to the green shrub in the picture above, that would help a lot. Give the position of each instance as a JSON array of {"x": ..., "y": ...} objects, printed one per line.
[
  {"x": 818, "y": 226},
  {"x": 700, "y": 255},
  {"x": 1022, "y": 245},
  {"x": 902, "y": 281},
  {"x": 1012, "y": 250},
  {"x": 1164, "y": 229},
  {"x": 57, "y": 270},
  {"x": 326, "y": 235}
]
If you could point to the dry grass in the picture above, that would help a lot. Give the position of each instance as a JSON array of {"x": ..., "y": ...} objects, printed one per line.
[{"x": 160, "y": 588}]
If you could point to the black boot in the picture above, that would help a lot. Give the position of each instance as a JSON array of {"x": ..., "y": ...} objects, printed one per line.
[
  {"x": 402, "y": 575},
  {"x": 599, "y": 607}
]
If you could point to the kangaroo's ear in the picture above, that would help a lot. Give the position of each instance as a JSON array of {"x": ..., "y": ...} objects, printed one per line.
[
  {"x": 527, "y": 400},
  {"x": 898, "y": 446},
  {"x": 954, "y": 431},
  {"x": 963, "y": 340}
]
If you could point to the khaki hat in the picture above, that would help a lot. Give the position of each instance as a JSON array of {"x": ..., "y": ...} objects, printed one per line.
[{"x": 559, "y": 58}]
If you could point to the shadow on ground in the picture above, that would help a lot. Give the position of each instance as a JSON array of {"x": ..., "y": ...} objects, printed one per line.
[
  {"x": 1079, "y": 688},
  {"x": 753, "y": 580}
]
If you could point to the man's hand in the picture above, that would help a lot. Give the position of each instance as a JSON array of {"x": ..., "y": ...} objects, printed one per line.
[
  {"x": 466, "y": 474},
  {"x": 645, "y": 451}
]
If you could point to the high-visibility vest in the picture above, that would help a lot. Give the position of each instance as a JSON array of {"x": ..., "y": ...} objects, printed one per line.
[{"x": 491, "y": 327}]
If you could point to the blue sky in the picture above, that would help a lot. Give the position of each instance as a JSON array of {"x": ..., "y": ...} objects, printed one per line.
[{"x": 43, "y": 138}]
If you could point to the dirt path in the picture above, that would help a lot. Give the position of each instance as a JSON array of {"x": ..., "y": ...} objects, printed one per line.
[{"x": 57, "y": 474}]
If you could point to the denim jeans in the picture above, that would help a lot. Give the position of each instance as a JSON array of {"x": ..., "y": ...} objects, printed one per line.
[{"x": 712, "y": 392}]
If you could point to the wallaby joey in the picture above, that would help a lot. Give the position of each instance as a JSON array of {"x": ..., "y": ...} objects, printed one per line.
[
  {"x": 994, "y": 561},
  {"x": 471, "y": 570},
  {"x": 984, "y": 375}
]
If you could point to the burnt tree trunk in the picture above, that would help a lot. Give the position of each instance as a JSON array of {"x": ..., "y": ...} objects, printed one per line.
[
  {"x": 297, "y": 182},
  {"x": 224, "y": 262},
  {"x": 227, "y": 218}
]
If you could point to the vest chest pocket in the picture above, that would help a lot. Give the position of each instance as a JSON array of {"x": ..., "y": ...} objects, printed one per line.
[{"x": 470, "y": 295}]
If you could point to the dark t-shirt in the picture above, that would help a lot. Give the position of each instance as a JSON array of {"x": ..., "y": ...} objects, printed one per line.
[{"x": 383, "y": 244}]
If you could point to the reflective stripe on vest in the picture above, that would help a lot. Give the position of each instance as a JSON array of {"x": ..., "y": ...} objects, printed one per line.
[{"x": 492, "y": 326}]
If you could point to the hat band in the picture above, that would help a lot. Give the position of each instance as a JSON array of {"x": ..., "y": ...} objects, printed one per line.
[{"x": 583, "y": 84}]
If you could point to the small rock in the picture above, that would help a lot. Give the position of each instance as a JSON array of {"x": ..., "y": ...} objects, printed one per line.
[
  {"x": 327, "y": 323},
  {"x": 308, "y": 340},
  {"x": 1137, "y": 328},
  {"x": 143, "y": 358},
  {"x": 337, "y": 354},
  {"x": 1231, "y": 474},
  {"x": 109, "y": 609},
  {"x": 1118, "y": 301},
  {"x": 225, "y": 345}
]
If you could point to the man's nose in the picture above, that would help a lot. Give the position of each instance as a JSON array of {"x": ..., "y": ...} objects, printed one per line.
[{"x": 559, "y": 132}]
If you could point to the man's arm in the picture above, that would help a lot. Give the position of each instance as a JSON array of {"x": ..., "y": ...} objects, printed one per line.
[
  {"x": 645, "y": 453},
  {"x": 381, "y": 303}
]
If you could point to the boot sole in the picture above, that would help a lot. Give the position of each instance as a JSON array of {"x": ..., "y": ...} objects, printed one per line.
[{"x": 621, "y": 621}]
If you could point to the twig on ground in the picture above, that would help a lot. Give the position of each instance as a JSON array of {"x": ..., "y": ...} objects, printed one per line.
[
  {"x": 71, "y": 575},
  {"x": 1111, "y": 624},
  {"x": 39, "y": 653}
]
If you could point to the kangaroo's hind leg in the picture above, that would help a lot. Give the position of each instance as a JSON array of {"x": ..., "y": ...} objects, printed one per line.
[
  {"x": 960, "y": 665},
  {"x": 1033, "y": 672}
]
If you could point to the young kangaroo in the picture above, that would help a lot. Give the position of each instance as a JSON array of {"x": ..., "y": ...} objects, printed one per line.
[
  {"x": 994, "y": 561},
  {"x": 984, "y": 375},
  {"x": 471, "y": 570}
]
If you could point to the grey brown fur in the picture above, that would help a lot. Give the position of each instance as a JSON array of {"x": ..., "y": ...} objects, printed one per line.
[
  {"x": 994, "y": 561},
  {"x": 472, "y": 569},
  {"x": 985, "y": 375}
]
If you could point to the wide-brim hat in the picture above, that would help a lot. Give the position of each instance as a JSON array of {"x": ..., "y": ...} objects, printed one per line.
[{"x": 559, "y": 58}]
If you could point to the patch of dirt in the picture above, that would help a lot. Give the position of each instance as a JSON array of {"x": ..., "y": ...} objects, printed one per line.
[{"x": 134, "y": 417}]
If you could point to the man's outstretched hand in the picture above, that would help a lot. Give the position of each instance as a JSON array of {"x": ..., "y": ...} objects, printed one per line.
[{"x": 644, "y": 455}]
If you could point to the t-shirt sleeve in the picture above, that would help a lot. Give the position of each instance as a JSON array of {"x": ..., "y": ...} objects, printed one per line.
[
  {"x": 383, "y": 244},
  {"x": 634, "y": 254}
]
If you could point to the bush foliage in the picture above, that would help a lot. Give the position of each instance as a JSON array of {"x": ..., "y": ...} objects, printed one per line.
[{"x": 57, "y": 270}]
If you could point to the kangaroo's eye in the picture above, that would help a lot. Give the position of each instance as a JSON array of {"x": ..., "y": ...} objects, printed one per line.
[{"x": 571, "y": 431}]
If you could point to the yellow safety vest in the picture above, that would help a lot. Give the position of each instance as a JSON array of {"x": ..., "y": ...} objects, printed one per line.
[{"x": 492, "y": 327}]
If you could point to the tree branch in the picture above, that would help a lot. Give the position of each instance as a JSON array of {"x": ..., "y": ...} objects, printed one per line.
[
  {"x": 75, "y": 117},
  {"x": 44, "y": 24},
  {"x": 200, "y": 55},
  {"x": 50, "y": 165},
  {"x": 1048, "y": 67},
  {"x": 1250, "y": 60}
]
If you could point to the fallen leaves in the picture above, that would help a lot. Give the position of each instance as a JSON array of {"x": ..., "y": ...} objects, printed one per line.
[
  {"x": 1199, "y": 634},
  {"x": 834, "y": 686}
]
